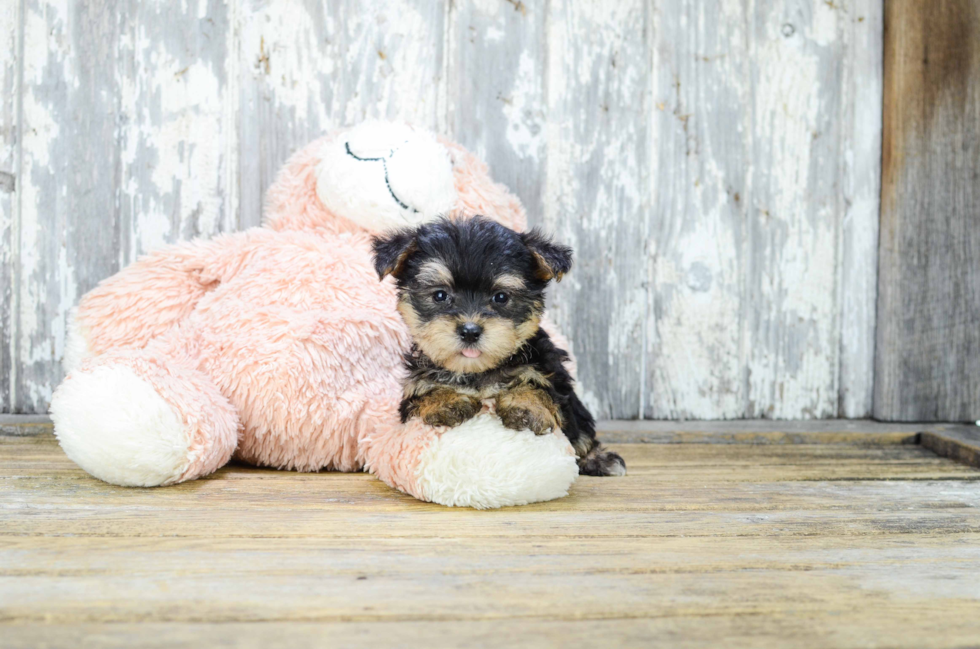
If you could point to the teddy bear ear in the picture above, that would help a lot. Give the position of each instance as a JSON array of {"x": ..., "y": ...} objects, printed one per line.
[
  {"x": 392, "y": 250},
  {"x": 552, "y": 259}
]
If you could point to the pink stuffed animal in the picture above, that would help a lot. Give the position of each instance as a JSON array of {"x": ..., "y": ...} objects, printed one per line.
[{"x": 279, "y": 347}]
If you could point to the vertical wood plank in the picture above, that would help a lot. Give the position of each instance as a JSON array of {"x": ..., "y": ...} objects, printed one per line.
[
  {"x": 928, "y": 340},
  {"x": 177, "y": 132},
  {"x": 126, "y": 148},
  {"x": 863, "y": 28},
  {"x": 597, "y": 188},
  {"x": 701, "y": 196},
  {"x": 498, "y": 89},
  {"x": 796, "y": 209},
  {"x": 311, "y": 66},
  {"x": 10, "y": 32},
  {"x": 750, "y": 99},
  {"x": 68, "y": 229}
]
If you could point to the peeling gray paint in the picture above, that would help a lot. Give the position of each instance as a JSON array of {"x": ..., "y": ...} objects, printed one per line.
[
  {"x": 10, "y": 45},
  {"x": 714, "y": 163},
  {"x": 754, "y": 103}
]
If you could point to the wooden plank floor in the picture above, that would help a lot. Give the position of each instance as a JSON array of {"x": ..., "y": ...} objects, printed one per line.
[{"x": 702, "y": 545}]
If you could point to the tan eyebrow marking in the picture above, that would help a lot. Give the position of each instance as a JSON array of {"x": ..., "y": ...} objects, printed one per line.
[
  {"x": 513, "y": 282},
  {"x": 435, "y": 273}
]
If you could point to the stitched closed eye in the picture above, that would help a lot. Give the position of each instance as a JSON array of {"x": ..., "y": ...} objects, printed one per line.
[{"x": 384, "y": 163}]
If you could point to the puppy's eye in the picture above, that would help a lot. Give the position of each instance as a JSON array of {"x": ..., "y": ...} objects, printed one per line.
[
  {"x": 440, "y": 296},
  {"x": 500, "y": 298}
]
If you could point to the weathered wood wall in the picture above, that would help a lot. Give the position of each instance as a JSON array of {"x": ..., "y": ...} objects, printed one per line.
[
  {"x": 9, "y": 92},
  {"x": 928, "y": 359},
  {"x": 714, "y": 162}
]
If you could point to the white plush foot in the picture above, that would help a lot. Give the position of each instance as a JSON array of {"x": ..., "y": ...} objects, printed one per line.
[
  {"x": 114, "y": 425},
  {"x": 483, "y": 465}
]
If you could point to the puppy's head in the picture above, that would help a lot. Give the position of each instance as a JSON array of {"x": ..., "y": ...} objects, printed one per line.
[{"x": 471, "y": 291}]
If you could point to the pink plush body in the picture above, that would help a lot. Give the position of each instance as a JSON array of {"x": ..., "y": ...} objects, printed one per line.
[{"x": 277, "y": 345}]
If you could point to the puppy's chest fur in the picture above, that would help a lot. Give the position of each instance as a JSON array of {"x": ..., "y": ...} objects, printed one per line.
[
  {"x": 531, "y": 389},
  {"x": 520, "y": 370}
]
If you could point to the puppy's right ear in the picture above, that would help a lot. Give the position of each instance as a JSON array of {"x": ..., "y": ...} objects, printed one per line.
[
  {"x": 552, "y": 259},
  {"x": 392, "y": 250}
]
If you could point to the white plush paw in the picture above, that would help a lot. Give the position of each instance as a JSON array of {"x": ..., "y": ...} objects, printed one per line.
[
  {"x": 114, "y": 425},
  {"x": 483, "y": 465}
]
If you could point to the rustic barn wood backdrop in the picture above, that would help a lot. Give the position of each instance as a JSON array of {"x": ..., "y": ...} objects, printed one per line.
[
  {"x": 716, "y": 164},
  {"x": 928, "y": 360}
]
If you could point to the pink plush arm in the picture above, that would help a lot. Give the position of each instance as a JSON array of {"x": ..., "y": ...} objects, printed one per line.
[{"x": 150, "y": 296}]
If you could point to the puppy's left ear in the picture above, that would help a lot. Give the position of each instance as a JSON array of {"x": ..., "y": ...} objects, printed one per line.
[
  {"x": 392, "y": 250},
  {"x": 552, "y": 259}
]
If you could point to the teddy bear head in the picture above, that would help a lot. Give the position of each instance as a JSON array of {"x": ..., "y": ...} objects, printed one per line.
[{"x": 379, "y": 175}]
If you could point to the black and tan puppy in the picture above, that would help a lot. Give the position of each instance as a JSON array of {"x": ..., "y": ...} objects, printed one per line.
[{"x": 472, "y": 294}]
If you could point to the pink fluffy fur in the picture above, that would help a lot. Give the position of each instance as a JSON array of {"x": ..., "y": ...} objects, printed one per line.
[{"x": 278, "y": 345}]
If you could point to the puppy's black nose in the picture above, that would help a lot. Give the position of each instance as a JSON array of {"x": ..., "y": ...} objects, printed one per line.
[{"x": 469, "y": 332}]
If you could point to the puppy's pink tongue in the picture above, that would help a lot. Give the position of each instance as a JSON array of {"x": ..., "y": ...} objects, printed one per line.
[{"x": 471, "y": 353}]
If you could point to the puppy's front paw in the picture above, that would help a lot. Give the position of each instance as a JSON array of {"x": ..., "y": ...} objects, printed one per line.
[
  {"x": 540, "y": 421},
  {"x": 448, "y": 418},
  {"x": 528, "y": 409},
  {"x": 447, "y": 408}
]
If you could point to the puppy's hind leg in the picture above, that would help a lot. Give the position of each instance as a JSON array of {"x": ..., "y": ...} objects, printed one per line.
[
  {"x": 593, "y": 459},
  {"x": 596, "y": 460}
]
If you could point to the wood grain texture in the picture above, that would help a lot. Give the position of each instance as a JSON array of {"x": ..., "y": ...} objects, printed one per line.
[
  {"x": 961, "y": 444},
  {"x": 177, "y": 137},
  {"x": 753, "y": 107},
  {"x": 928, "y": 339},
  {"x": 860, "y": 114},
  {"x": 67, "y": 230},
  {"x": 809, "y": 545},
  {"x": 938, "y": 627},
  {"x": 713, "y": 162},
  {"x": 124, "y": 150},
  {"x": 843, "y": 629},
  {"x": 596, "y": 198},
  {"x": 794, "y": 210},
  {"x": 497, "y": 91},
  {"x": 10, "y": 21},
  {"x": 309, "y": 67},
  {"x": 697, "y": 364}
]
